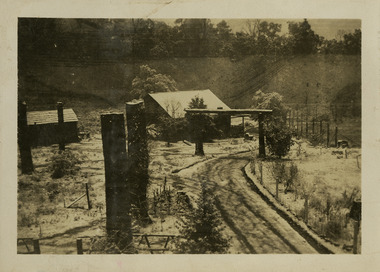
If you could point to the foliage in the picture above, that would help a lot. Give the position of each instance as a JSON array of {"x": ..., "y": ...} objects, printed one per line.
[
  {"x": 278, "y": 139},
  {"x": 131, "y": 39},
  {"x": 197, "y": 103},
  {"x": 150, "y": 81},
  {"x": 316, "y": 139},
  {"x": 353, "y": 42},
  {"x": 172, "y": 129},
  {"x": 202, "y": 228},
  {"x": 278, "y": 171},
  {"x": 201, "y": 127},
  {"x": 64, "y": 163},
  {"x": 348, "y": 198},
  {"x": 304, "y": 40},
  {"x": 272, "y": 101},
  {"x": 278, "y": 135},
  {"x": 111, "y": 244},
  {"x": 292, "y": 177}
]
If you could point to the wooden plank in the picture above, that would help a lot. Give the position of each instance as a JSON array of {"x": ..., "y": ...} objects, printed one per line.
[
  {"x": 154, "y": 249},
  {"x": 230, "y": 111},
  {"x": 147, "y": 242},
  {"x": 76, "y": 200}
]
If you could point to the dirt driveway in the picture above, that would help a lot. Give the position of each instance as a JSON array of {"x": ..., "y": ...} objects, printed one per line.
[{"x": 253, "y": 225}]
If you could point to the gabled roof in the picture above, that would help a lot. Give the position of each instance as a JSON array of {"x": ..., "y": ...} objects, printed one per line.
[
  {"x": 174, "y": 103},
  {"x": 50, "y": 117}
]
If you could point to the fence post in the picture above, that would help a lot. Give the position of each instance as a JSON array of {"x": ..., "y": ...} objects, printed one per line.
[
  {"x": 292, "y": 119},
  {"x": 306, "y": 209},
  {"x": 117, "y": 187},
  {"x": 336, "y": 136},
  {"x": 138, "y": 156},
  {"x": 24, "y": 140},
  {"x": 36, "y": 246},
  {"x": 88, "y": 197},
  {"x": 276, "y": 188},
  {"x": 356, "y": 234},
  {"x": 261, "y": 173},
  {"x": 79, "y": 247},
  {"x": 242, "y": 120},
  {"x": 61, "y": 131},
  {"x": 261, "y": 136},
  {"x": 328, "y": 135}
]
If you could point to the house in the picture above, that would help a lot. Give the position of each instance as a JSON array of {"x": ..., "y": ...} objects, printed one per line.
[
  {"x": 173, "y": 104},
  {"x": 43, "y": 127}
]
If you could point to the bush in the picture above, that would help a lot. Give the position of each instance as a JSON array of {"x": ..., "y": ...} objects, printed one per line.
[
  {"x": 172, "y": 130},
  {"x": 201, "y": 230},
  {"x": 111, "y": 244},
  {"x": 64, "y": 163},
  {"x": 334, "y": 227},
  {"x": 315, "y": 139},
  {"x": 292, "y": 177},
  {"x": 278, "y": 171},
  {"x": 278, "y": 139}
]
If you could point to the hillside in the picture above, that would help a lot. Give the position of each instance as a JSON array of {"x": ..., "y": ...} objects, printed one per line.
[{"x": 320, "y": 79}]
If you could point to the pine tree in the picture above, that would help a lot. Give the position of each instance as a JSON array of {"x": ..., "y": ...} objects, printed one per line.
[{"x": 201, "y": 231}]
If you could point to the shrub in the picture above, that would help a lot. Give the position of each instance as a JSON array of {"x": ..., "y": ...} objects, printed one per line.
[
  {"x": 171, "y": 129},
  {"x": 52, "y": 190},
  {"x": 334, "y": 227},
  {"x": 64, "y": 163},
  {"x": 347, "y": 199},
  {"x": 291, "y": 177},
  {"x": 111, "y": 244},
  {"x": 278, "y": 171},
  {"x": 278, "y": 139},
  {"x": 201, "y": 230},
  {"x": 315, "y": 139}
]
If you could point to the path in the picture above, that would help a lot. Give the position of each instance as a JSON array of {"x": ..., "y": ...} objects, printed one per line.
[{"x": 257, "y": 227}]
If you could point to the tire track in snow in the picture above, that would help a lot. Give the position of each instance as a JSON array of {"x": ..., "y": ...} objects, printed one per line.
[{"x": 240, "y": 210}]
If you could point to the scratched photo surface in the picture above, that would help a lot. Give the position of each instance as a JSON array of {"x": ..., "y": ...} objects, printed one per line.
[{"x": 189, "y": 136}]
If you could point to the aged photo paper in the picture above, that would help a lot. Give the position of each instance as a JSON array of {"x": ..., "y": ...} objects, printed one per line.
[{"x": 211, "y": 80}]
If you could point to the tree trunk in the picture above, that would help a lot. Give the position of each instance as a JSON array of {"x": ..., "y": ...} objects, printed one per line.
[{"x": 199, "y": 149}]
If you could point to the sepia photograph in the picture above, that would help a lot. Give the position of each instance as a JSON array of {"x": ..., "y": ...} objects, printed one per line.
[{"x": 189, "y": 136}]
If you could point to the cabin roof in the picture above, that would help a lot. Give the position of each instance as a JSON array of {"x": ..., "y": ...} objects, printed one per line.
[
  {"x": 174, "y": 103},
  {"x": 50, "y": 117}
]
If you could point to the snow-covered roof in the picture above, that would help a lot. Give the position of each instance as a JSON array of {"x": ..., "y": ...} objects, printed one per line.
[
  {"x": 174, "y": 103},
  {"x": 50, "y": 117}
]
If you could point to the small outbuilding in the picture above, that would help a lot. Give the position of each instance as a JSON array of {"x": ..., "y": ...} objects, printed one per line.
[
  {"x": 43, "y": 127},
  {"x": 173, "y": 104}
]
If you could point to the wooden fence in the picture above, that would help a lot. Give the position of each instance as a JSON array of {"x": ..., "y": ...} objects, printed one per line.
[{"x": 153, "y": 243}]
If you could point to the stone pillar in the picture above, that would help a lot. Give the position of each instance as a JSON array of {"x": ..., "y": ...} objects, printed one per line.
[
  {"x": 261, "y": 136},
  {"x": 23, "y": 140},
  {"x": 138, "y": 156},
  {"x": 117, "y": 187}
]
